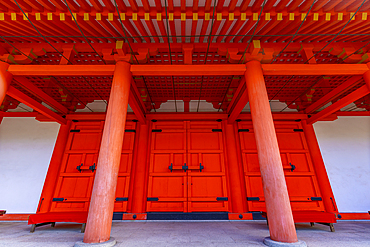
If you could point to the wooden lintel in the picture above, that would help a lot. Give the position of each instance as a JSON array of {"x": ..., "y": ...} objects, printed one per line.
[{"x": 18, "y": 95}]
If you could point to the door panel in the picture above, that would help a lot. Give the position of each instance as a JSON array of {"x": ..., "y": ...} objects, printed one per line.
[
  {"x": 123, "y": 182},
  {"x": 298, "y": 169},
  {"x": 206, "y": 174},
  {"x": 76, "y": 176},
  {"x": 167, "y": 188},
  {"x": 75, "y": 181},
  {"x": 187, "y": 170}
]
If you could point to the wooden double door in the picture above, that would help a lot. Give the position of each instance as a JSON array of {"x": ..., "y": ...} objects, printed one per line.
[
  {"x": 80, "y": 161},
  {"x": 300, "y": 176},
  {"x": 187, "y": 167}
]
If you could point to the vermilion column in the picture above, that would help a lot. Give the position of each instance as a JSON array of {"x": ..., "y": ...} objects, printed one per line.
[
  {"x": 322, "y": 176},
  {"x": 279, "y": 212},
  {"x": 99, "y": 221},
  {"x": 233, "y": 165},
  {"x": 54, "y": 166},
  {"x": 5, "y": 79},
  {"x": 140, "y": 170}
]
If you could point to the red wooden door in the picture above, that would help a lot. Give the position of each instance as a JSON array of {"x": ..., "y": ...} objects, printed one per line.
[
  {"x": 77, "y": 172},
  {"x": 299, "y": 173},
  {"x": 187, "y": 170},
  {"x": 167, "y": 190},
  {"x": 124, "y": 172},
  {"x": 207, "y": 187}
]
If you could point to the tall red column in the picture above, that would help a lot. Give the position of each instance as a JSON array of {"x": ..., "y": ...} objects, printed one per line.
[
  {"x": 99, "y": 221},
  {"x": 140, "y": 170},
  {"x": 279, "y": 212},
  {"x": 318, "y": 162},
  {"x": 54, "y": 166},
  {"x": 5, "y": 79},
  {"x": 233, "y": 165}
]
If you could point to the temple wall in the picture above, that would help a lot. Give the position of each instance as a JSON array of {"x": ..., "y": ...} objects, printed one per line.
[
  {"x": 26, "y": 147},
  {"x": 345, "y": 147}
]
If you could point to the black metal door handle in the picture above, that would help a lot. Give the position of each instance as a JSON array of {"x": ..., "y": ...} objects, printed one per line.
[{"x": 185, "y": 167}]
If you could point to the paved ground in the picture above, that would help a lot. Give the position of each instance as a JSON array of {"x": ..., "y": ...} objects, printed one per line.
[{"x": 155, "y": 233}]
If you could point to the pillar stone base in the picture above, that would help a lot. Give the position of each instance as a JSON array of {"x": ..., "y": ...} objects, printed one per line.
[
  {"x": 109, "y": 243},
  {"x": 269, "y": 242}
]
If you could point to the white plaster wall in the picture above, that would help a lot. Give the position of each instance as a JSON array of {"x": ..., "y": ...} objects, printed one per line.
[
  {"x": 26, "y": 146},
  {"x": 345, "y": 147}
]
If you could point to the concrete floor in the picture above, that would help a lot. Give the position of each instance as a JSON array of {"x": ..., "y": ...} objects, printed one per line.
[{"x": 204, "y": 233}]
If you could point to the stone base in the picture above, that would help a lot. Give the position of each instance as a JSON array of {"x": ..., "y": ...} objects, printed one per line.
[
  {"x": 269, "y": 242},
  {"x": 109, "y": 243}
]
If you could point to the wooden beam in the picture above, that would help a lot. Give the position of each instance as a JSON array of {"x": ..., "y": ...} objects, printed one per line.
[
  {"x": 136, "y": 103},
  {"x": 30, "y": 87},
  {"x": 82, "y": 116},
  {"x": 237, "y": 109},
  {"x": 344, "y": 87},
  {"x": 61, "y": 70},
  {"x": 189, "y": 70},
  {"x": 314, "y": 69},
  {"x": 18, "y": 95},
  {"x": 359, "y": 93},
  {"x": 19, "y": 114}
]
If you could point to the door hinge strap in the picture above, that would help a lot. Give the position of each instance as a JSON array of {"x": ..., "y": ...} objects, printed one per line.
[
  {"x": 216, "y": 130},
  {"x": 253, "y": 198},
  {"x": 58, "y": 199},
  {"x": 316, "y": 199},
  {"x": 298, "y": 130},
  {"x": 152, "y": 199},
  {"x": 74, "y": 130},
  {"x": 222, "y": 199},
  {"x": 156, "y": 130},
  {"x": 121, "y": 199},
  {"x": 130, "y": 131},
  {"x": 243, "y": 130}
]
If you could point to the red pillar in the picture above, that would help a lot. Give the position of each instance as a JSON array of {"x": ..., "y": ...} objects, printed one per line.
[
  {"x": 5, "y": 79},
  {"x": 279, "y": 212},
  {"x": 140, "y": 171},
  {"x": 234, "y": 175},
  {"x": 54, "y": 166},
  {"x": 99, "y": 221},
  {"x": 318, "y": 162}
]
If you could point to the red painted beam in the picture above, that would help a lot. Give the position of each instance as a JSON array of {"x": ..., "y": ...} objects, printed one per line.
[
  {"x": 353, "y": 81},
  {"x": 242, "y": 102},
  {"x": 18, "y": 95},
  {"x": 136, "y": 103},
  {"x": 188, "y": 70},
  {"x": 353, "y": 113},
  {"x": 314, "y": 69},
  {"x": 61, "y": 70},
  {"x": 100, "y": 116},
  {"x": 30, "y": 87},
  {"x": 186, "y": 116},
  {"x": 359, "y": 93},
  {"x": 18, "y": 114}
]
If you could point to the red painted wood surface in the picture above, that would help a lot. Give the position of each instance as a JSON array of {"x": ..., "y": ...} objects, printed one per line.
[
  {"x": 54, "y": 169},
  {"x": 140, "y": 171},
  {"x": 278, "y": 208},
  {"x": 5, "y": 79},
  {"x": 191, "y": 189},
  {"x": 82, "y": 149},
  {"x": 99, "y": 221},
  {"x": 302, "y": 182}
]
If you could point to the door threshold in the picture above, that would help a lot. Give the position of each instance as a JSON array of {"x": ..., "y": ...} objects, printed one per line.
[{"x": 187, "y": 216}]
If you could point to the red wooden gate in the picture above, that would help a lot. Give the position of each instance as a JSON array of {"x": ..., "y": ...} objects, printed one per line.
[
  {"x": 299, "y": 173},
  {"x": 187, "y": 170},
  {"x": 76, "y": 175}
]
